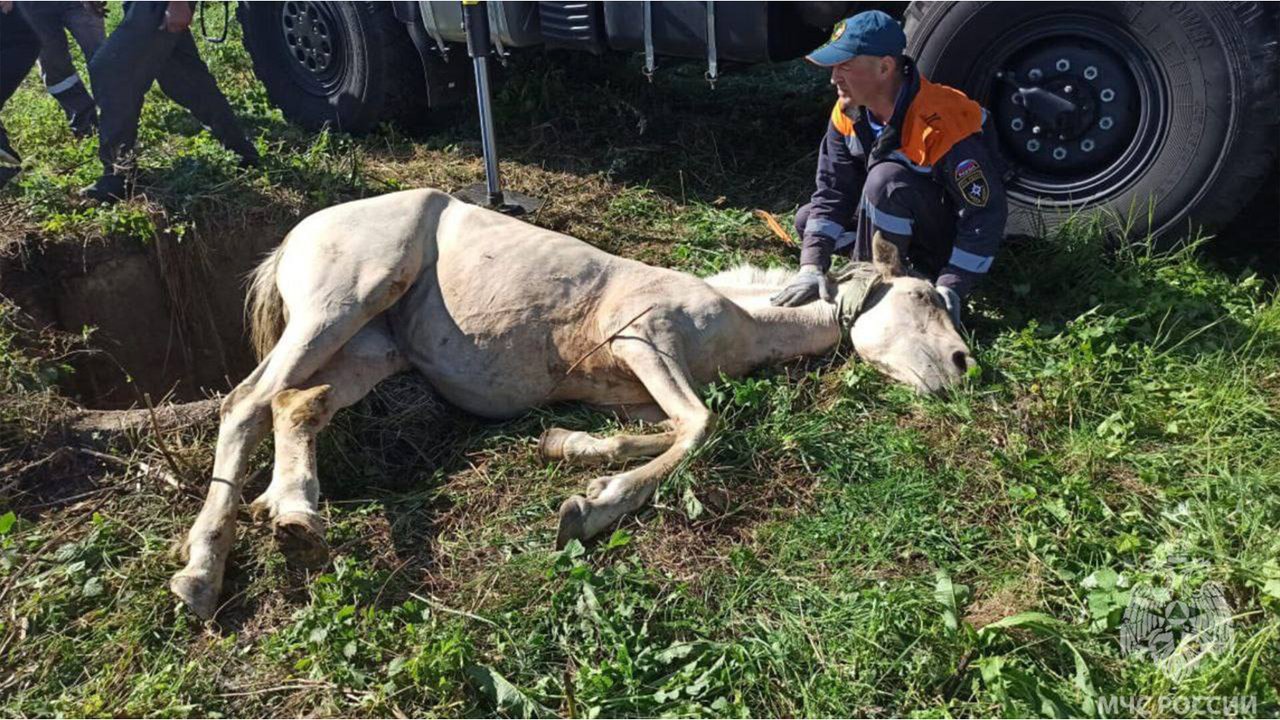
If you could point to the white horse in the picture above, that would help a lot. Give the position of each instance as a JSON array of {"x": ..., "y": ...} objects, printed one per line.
[{"x": 502, "y": 316}]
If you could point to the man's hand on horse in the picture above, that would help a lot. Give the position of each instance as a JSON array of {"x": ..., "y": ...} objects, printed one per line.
[
  {"x": 951, "y": 299},
  {"x": 807, "y": 284}
]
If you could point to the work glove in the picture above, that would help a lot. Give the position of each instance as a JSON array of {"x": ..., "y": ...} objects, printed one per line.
[
  {"x": 806, "y": 285},
  {"x": 951, "y": 299}
]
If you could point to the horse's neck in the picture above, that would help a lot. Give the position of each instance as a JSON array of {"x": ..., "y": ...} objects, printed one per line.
[{"x": 777, "y": 333}]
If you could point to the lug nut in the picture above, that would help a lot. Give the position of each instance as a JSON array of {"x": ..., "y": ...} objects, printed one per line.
[
  {"x": 1090, "y": 73},
  {"x": 1035, "y": 74},
  {"x": 1107, "y": 94},
  {"x": 1068, "y": 89},
  {"x": 1063, "y": 65},
  {"x": 1017, "y": 124},
  {"x": 1086, "y": 145},
  {"x": 1106, "y": 122},
  {"x": 1059, "y": 153},
  {"x": 1035, "y": 129},
  {"x": 1033, "y": 144}
]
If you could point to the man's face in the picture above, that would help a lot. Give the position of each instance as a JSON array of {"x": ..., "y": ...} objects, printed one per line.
[{"x": 862, "y": 78}]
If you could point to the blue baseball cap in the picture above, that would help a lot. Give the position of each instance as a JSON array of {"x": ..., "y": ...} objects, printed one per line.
[{"x": 867, "y": 33}]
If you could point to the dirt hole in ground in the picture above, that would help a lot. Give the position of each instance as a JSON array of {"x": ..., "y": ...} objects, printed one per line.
[{"x": 167, "y": 316}]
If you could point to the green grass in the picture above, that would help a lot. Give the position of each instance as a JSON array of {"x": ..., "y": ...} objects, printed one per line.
[{"x": 840, "y": 547}]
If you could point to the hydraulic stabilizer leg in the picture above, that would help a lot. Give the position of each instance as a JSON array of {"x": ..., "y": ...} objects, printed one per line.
[{"x": 475, "y": 17}]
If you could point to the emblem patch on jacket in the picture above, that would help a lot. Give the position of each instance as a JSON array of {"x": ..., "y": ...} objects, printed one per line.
[{"x": 971, "y": 183}]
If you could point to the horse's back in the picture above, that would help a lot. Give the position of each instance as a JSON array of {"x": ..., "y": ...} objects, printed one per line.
[{"x": 362, "y": 248}]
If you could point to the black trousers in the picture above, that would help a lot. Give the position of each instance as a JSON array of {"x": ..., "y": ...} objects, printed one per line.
[
  {"x": 898, "y": 193},
  {"x": 139, "y": 53},
  {"x": 51, "y": 21},
  {"x": 19, "y": 48}
]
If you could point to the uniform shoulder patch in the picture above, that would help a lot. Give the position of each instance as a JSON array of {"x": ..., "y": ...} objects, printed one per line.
[{"x": 972, "y": 183}]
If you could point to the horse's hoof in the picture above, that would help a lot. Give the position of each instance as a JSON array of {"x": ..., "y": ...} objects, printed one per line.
[
  {"x": 199, "y": 594},
  {"x": 300, "y": 537},
  {"x": 551, "y": 444},
  {"x": 573, "y": 521}
]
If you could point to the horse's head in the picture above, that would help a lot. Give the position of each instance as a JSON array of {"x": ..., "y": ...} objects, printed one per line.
[{"x": 902, "y": 327}]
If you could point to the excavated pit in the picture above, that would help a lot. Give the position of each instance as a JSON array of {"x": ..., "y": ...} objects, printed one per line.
[{"x": 167, "y": 315}]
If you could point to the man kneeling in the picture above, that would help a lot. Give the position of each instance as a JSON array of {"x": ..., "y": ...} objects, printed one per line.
[{"x": 904, "y": 156}]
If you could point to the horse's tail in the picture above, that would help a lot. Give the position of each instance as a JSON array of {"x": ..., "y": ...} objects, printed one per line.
[{"x": 264, "y": 307}]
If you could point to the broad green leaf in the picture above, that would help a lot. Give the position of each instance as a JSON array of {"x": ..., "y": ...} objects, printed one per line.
[
  {"x": 1031, "y": 620},
  {"x": 506, "y": 698},
  {"x": 952, "y": 597}
]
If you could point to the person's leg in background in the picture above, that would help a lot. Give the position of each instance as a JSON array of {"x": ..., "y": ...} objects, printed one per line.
[
  {"x": 122, "y": 71},
  {"x": 19, "y": 48},
  {"x": 187, "y": 80},
  {"x": 88, "y": 27},
  {"x": 56, "y": 67}
]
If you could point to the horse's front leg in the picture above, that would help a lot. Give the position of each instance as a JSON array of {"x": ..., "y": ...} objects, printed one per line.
[
  {"x": 299, "y": 414},
  {"x": 660, "y": 366}
]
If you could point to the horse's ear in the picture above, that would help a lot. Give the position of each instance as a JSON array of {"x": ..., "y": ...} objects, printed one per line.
[{"x": 886, "y": 257}]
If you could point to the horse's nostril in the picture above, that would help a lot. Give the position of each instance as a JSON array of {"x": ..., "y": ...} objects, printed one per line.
[{"x": 961, "y": 359}]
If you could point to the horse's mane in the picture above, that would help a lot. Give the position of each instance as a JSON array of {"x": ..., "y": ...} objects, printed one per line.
[{"x": 746, "y": 275}]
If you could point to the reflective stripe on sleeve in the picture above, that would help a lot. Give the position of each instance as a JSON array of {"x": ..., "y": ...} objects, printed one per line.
[{"x": 968, "y": 261}]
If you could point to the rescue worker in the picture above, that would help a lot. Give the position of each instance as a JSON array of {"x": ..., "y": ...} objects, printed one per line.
[
  {"x": 19, "y": 48},
  {"x": 902, "y": 156},
  {"x": 50, "y": 21},
  {"x": 153, "y": 43}
]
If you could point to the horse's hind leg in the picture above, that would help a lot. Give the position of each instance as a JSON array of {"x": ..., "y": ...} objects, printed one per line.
[
  {"x": 299, "y": 415},
  {"x": 309, "y": 340},
  {"x": 246, "y": 415},
  {"x": 582, "y": 448}
]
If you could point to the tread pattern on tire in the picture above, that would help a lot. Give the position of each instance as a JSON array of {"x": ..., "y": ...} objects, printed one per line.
[
  {"x": 392, "y": 87},
  {"x": 1250, "y": 38}
]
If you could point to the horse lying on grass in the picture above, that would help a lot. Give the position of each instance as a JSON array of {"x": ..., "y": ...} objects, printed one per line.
[{"x": 502, "y": 316}]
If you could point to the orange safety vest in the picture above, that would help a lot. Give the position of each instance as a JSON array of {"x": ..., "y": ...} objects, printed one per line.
[{"x": 938, "y": 118}]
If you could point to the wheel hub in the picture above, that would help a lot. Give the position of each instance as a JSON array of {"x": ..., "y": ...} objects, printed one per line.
[
  {"x": 308, "y": 30},
  {"x": 1065, "y": 105}
]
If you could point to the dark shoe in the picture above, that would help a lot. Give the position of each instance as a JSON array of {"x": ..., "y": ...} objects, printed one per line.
[
  {"x": 107, "y": 189},
  {"x": 7, "y": 173}
]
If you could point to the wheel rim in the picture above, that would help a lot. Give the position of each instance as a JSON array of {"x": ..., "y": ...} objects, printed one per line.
[
  {"x": 1078, "y": 106},
  {"x": 317, "y": 57}
]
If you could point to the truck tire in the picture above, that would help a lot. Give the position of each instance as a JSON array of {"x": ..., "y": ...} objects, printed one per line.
[
  {"x": 1175, "y": 114},
  {"x": 345, "y": 65}
]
